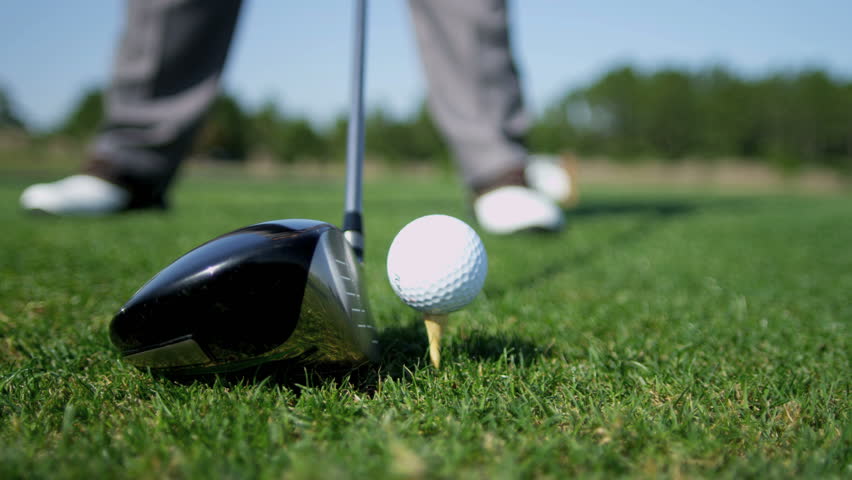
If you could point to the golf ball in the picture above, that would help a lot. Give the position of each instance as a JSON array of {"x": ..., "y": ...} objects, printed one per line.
[{"x": 437, "y": 264}]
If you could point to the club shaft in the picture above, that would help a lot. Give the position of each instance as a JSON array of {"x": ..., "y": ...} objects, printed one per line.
[{"x": 352, "y": 223}]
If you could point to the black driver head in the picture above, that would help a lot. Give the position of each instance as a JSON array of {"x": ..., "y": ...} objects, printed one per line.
[{"x": 282, "y": 290}]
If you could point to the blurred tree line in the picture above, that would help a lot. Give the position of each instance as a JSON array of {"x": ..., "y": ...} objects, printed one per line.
[
  {"x": 232, "y": 133},
  {"x": 9, "y": 118},
  {"x": 790, "y": 119}
]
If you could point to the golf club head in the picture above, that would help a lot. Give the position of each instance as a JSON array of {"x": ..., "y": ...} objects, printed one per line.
[{"x": 281, "y": 290}]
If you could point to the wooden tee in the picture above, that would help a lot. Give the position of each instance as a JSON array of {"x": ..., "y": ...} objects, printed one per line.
[{"x": 435, "y": 324}]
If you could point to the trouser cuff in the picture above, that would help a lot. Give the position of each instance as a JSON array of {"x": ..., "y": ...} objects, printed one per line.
[{"x": 144, "y": 192}]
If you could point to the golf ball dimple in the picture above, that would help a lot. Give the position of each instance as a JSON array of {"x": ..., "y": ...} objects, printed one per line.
[{"x": 437, "y": 264}]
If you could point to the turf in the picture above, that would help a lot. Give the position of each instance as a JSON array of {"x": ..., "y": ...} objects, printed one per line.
[{"x": 664, "y": 333}]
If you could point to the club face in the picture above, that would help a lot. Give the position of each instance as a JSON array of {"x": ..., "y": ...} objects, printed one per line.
[{"x": 285, "y": 290}]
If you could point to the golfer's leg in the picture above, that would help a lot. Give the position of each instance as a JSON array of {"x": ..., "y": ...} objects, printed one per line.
[
  {"x": 165, "y": 77},
  {"x": 474, "y": 91}
]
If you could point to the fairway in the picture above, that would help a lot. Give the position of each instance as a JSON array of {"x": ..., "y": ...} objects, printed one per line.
[{"x": 665, "y": 332}]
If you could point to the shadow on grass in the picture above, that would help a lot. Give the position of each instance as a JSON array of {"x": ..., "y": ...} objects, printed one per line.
[
  {"x": 487, "y": 347},
  {"x": 663, "y": 209},
  {"x": 404, "y": 352},
  {"x": 650, "y": 217},
  {"x": 406, "y": 346},
  {"x": 660, "y": 209},
  {"x": 536, "y": 276}
]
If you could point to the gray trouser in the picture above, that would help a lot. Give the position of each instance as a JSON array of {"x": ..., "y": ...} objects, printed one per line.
[
  {"x": 474, "y": 92},
  {"x": 172, "y": 54}
]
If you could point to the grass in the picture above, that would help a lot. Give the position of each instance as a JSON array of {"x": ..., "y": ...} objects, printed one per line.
[{"x": 666, "y": 333}]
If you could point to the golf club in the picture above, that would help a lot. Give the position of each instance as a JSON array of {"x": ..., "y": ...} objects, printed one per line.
[{"x": 288, "y": 290}]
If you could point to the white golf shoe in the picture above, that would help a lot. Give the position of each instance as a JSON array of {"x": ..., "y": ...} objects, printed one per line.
[
  {"x": 553, "y": 176},
  {"x": 551, "y": 185},
  {"x": 512, "y": 208},
  {"x": 77, "y": 195}
]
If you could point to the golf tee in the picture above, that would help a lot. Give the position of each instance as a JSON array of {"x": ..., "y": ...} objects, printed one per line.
[{"x": 435, "y": 324}]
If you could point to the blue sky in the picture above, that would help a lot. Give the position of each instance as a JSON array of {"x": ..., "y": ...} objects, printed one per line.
[{"x": 297, "y": 53}]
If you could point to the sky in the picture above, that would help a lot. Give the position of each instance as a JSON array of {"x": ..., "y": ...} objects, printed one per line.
[{"x": 297, "y": 54}]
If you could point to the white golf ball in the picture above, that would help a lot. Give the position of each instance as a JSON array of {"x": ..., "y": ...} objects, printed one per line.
[{"x": 437, "y": 264}]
